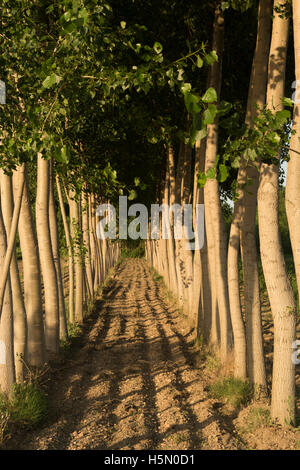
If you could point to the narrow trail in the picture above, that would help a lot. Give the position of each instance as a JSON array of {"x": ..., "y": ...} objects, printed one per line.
[{"x": 133, "y": 382}]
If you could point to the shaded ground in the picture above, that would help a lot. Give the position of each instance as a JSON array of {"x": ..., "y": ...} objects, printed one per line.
[{"x": 135, "y": 382}]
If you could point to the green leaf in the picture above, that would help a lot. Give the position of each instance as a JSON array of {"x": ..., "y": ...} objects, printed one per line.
[
  {"x": 157, "y": 47},
  {"x": 211, "y": 173},
  {"x": 236, "y": 162},
  {"x": 62, "y": 155},
  {"x": 211, "y": 58},
  {"x": 191, "y": 101},
  {"x": 223, "y": 173},
  {"x": 209, "y": 114},
  {"x": 83, "y": 14},
  {"x": 199, "y": 62},
  {"x": 281, "y": 117},
  {"x": 197, "y": 135},
  {"x": 123, "y": 24},
  {"x": 51, "y": 80},
  {"x": 224, "y": 5},
  {"x": 288, "y": 102},
  {"x": 185, "y": 88},
  {"x": 210, "y": 96},
  {"x": 132, "y": 195},
  {"x": 250, "y": 154},
  {"x": 201, "y": 179}
]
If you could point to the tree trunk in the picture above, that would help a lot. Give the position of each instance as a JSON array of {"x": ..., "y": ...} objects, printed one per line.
[
  {"x": 76, "y": 235},
  {"x": 63, "y": 328},
  {"x": 36, "y": 354},
  {"x": 19, "y": 314},
  {"x": 86, "y": 240},
  {"x": 245, "y": 209},
  {"x": 170, "y": 241},
  {"x": 292, "y": 194},
  {"x": 213, "y": 211},
  {"x": 7, "y": 366},
  {"x": 46, "y": 256},
  {"x": 70, "y": 251}
]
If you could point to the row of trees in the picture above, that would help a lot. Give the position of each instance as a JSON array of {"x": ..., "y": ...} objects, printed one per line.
[
  {"x": 207, "y": 282},
  {"x": 73, "y": 97},
  {"x": 102, "y": 99},
  {"x": 49, "y": 184},
  {"x": 35, "y": 312}
]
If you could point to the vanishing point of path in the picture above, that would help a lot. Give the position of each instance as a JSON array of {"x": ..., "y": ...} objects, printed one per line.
[{"x": 134, "y": 382}]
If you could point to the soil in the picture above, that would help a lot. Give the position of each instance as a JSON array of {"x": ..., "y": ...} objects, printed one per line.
[{"x": 135, "y": 380}]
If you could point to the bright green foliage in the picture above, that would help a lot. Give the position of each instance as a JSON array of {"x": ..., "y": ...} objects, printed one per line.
[
  {"x": 260, "y": 142},
  {"x": 80, "y": 81}
]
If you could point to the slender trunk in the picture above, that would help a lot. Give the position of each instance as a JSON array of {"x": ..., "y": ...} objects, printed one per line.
[
  {"x": 86, "y": 240},
  {"x": 7, "y": 366},
  {"x": 63, "y": 328},
  {"x": 78, "y": 261},
  {"x": 170, "y": 241},
  {"x": 94, "y": 245},
  {"x": 292, "y": 194},
  {"x": 19, "y": 314},
  {"x": 46, "y": 256},
  {"x": 280, "y": 292},
  {"x": 238, "y": 325},
  {"x": 245, "y": 211},
  {"x": 70, "y": 251},
  {"x": 36, "y": 354},
  {"x": 198, "y": 198},
  {"x": 213, "y": 210}
]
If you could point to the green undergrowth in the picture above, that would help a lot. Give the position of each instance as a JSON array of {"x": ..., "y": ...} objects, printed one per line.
[
  {"x": 156, "y": 277},
  {"x": 26, "y": 407},
  {"x": 257, "y": 417},
  {"x": 133, "y": 249},
  {"x": 233, "y": 391}
]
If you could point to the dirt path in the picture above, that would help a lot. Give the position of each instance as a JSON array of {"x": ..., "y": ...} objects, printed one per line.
[{"x": 133, "y": 383}]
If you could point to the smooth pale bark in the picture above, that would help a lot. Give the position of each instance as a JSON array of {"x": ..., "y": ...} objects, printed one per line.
[
  {"x": 36, "y": 353},
  {"x": 198, "y": 308},
  {"x": 170, "y": 241},
  {"x": 213, "y": 210},
  {"x": 245, "y": 211},
  {"x": 94, "y": 244},
  {"x": 70, "y": 251},
  {"x": 12, "y": 238},
  {"x": 255, "y": 351},
  {"x": 46, "y": 256},
  {"x": 292, "y": 192},
  {"x": 76, "y": 235},
  {"x": 183, "y": 255},
  {"x": 19, "y": 314},
  {"x": 63, "y": 328},
  {"x": 238, "y": 325},
  {"x": 86, "y": 241},
  {"x": 283, "y": 385},
  {"x": 201, "y": 280},
  {"x": 7, "y": 366},
  {"x": 163, "y": 242},
  {"x": 186, "y": 251},
  {"x": 91, "y": 241},
  {"x": 178, "y": 197}
]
